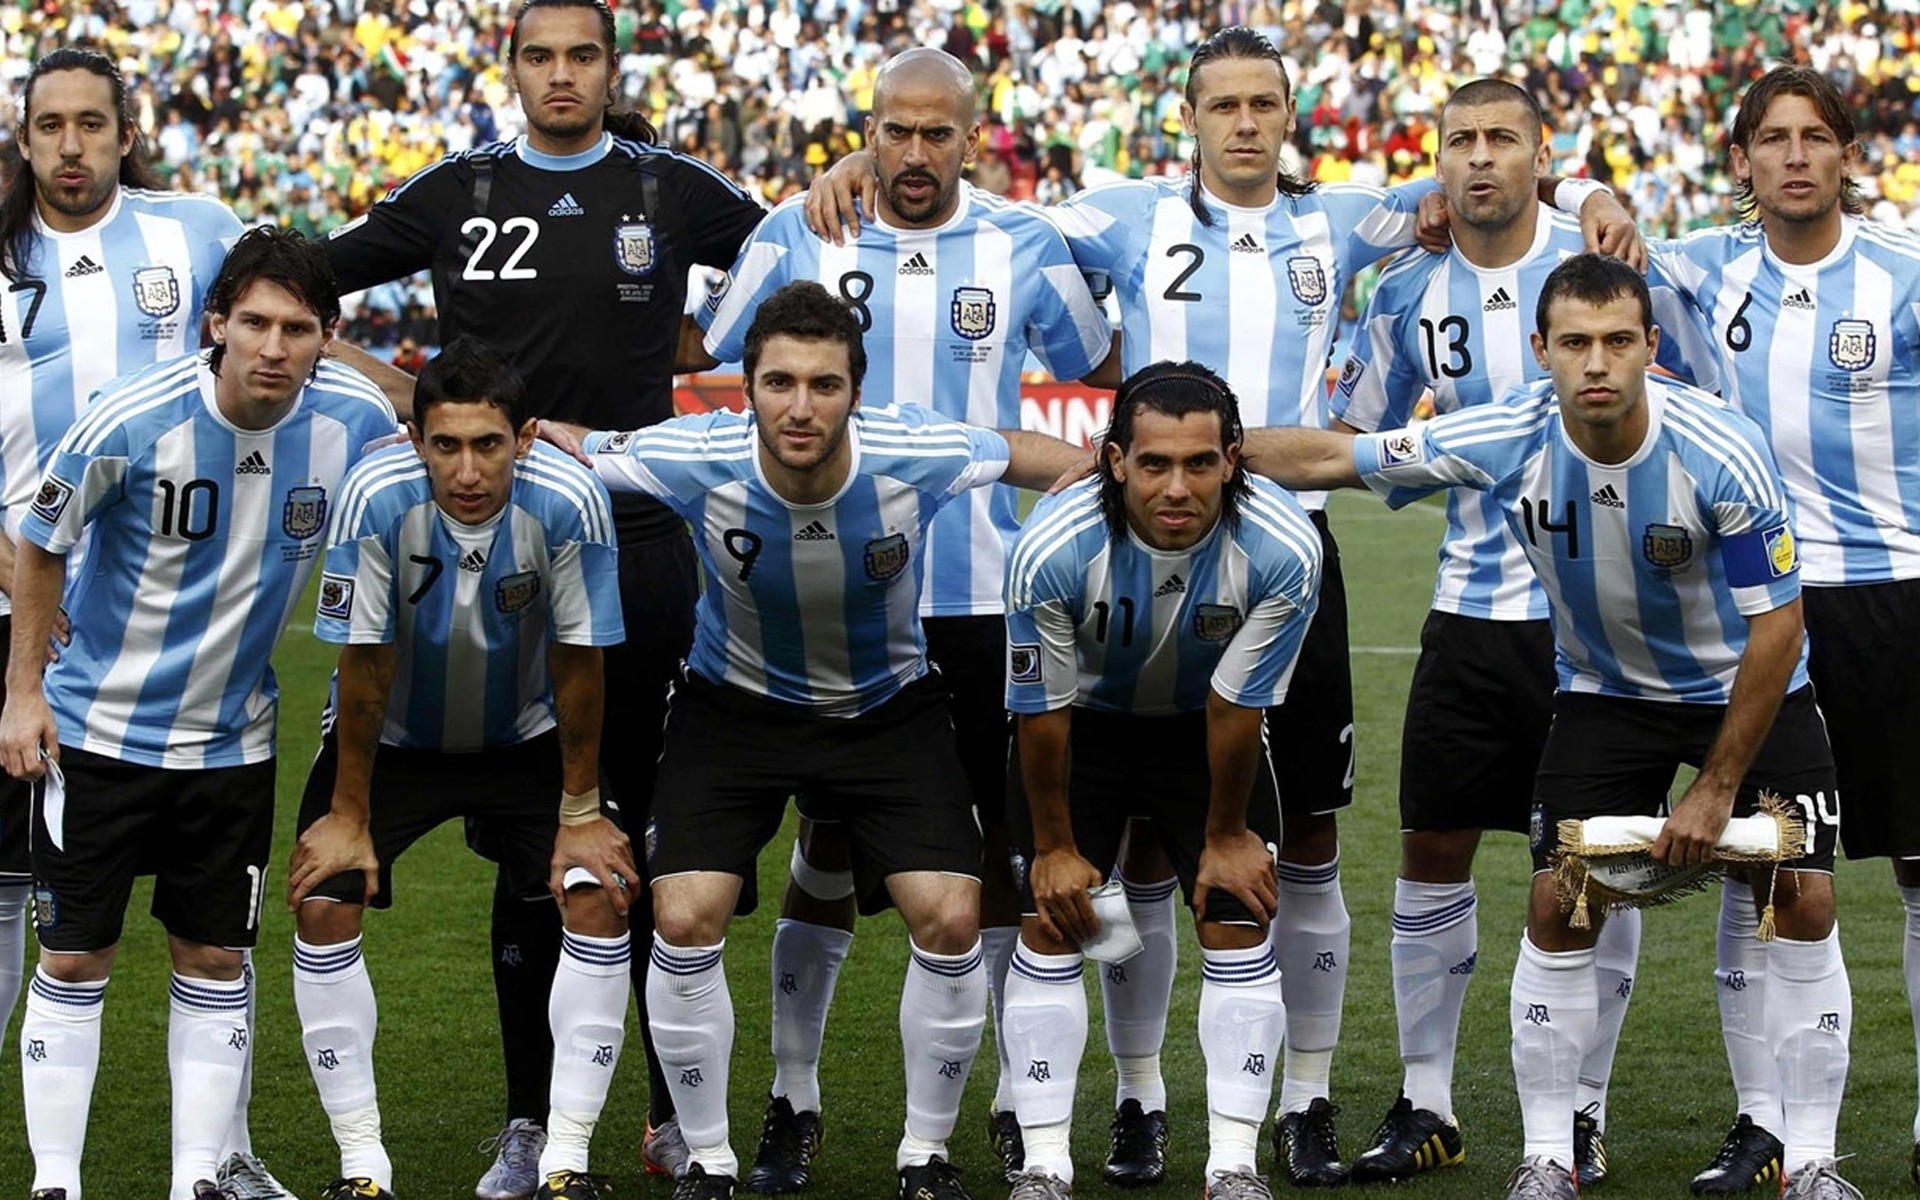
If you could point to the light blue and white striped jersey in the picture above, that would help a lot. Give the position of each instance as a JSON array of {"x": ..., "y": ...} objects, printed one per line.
[
  {"x": 127, "y": 292},
  {"x": 1111, "y": 623},
  {"x": 202, "y": 536},
  {"x": 810, "y": 604},
  {"x": 1439, "y": 323},
  {"x": 470, "y": 609},
  {"x": 1652, "y": 565},
  {"x": 1826, "y": 357},
  {"x": 1255, "y": 296},
  {"x": 949, "y": 314}
]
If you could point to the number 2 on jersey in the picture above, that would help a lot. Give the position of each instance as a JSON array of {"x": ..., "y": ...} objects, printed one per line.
[{"x": 487, "y": 232}]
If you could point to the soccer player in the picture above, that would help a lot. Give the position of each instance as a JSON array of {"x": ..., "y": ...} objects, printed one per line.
[
  {"x": 1813, "y": 316},
  {"x": 579, "y": 234},
  {"x": 470, "y": 580},
  {"x": 1154, "y": 613},
  {"x": 1657, "y": 523},
  {"x": 1241, "y": 266},
  {"x": 1455, "y": 326},
  {"x": 202, "y": 484},
  {"x": 810, "y": 515},
  {"x": 952, "y": 286}
]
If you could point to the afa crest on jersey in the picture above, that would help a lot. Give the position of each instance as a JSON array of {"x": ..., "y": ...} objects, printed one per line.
[
  {"x": 516, "y": 592},
  {"x": 156, "y": 292},
  {"x": 973, "y": 312},
  {"x": 1852, "y": 345},
  {"x": 1308, "y": 279},
  {"x": 305, "y": 513},
  {"x": 1668, "y": 547},
  {"x": 886, "y": 557},
  {"x": 1215, "y": 622},
  {"x": 633, "y": 248}
]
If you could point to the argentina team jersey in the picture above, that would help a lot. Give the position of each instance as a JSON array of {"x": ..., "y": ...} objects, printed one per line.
[
  {"x": 950, "y": 313},
  {"x": 91, "y": 305},
  {"x": 1255, "y": 296},
  {"x": 1437, "y": 323},
  {"x": 1110, "y": 623},
  {"x": 202, "y": 536},
  {"x": 816, "y": 605},
  {"x": 1653, "y": 565},
  {"x": 470, "y": 609},
  {"x": 1823, "y": 356}
]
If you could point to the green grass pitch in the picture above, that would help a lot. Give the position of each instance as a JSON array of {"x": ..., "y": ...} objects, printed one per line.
[{"x": 439, "y": 1062}]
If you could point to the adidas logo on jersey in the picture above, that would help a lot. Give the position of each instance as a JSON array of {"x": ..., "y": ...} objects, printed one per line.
[
  {"x": 814, "y": 532},
  {"x": 84, "y": 266},
  {"x": 917, "y": 265},
  {"x": 566, "y": 206},
  {"x": 1246, "y": 245},
  {"x": 1606, "y": 497},
  {"x": 1800, "y": 299},
  {"x": 1500, "y": 301},
  {"x": 473, "y": 561},
  {"x": 253, "y": 464},
  {"x": 1174, "y": 586}
]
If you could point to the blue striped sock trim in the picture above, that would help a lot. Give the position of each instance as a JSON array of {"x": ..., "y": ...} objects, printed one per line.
[
  {"x": 597, "y": 952},
  {"x": 951, "y": 966},
  {"x": 1434, "y": 920},
  {"x": 326, "y": 960},
  {"x": 68, "y": 995},
  {"x": 1042, "y": 974},
  {"x": 207, "y": 995},
  {"x": 1148, "y": 893},
  {"x": 675, "y": 961},
  {"x": 1317, "y": 875},
  {"x": 1255, "y": 969}
]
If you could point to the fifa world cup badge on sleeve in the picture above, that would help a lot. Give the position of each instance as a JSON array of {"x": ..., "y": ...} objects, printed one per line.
[
  {"x": 1400, "y": 450},
  {"x": 336, "y": 596},
  {"x": 51, "y": 500},
  {"x": 1023, "y": 663}
]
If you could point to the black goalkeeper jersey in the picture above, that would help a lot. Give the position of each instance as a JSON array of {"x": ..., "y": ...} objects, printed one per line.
[{"x": 574, "y": 269}]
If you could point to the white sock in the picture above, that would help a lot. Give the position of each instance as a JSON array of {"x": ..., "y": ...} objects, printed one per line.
[
  {"x": 207, "y": 1044},
  {"x": 1436, "y": 945},
  {"x": 1910, "y": 898},
  {"x": 239, "y": 1137},
  {"x": 690, "y": 1012},
  {"x": 333, "y": 995},
  {"x": 806, "y": 965},
  {"x": 1243, "y": 1020},
  {"x": 1311, "y": 937},
  {"x": 1809, "y": 1021},
  {"x": 1552, "y": 1011},
  {"x": 59, "y": 1056},
  {"x": 587, "y": 1013},
  {"x": 1046, "y": 1028},
  {"x": 943, "y": 1011},
  {"x": 1615, "y": 956},
  {"x": 1135, "y": 995},
  {"x": 997, "y": 942},
  {"x": 1740, "y": 984},
  {"x": 13, "y": 947}
]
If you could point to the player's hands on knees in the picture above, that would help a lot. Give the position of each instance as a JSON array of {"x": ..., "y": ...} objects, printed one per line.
[
  {"x": 1690, "y": 833},
  {"x": 28, "y": 736},
  {"x": 1241, "y": 865},
  {"x": 331, "y": 845},
  {"x": 1060, "y": 880},
  {"x": 1433, "y": 224},
  {"x": 829, "y": 206},
  {"x": 1609, "y": 229},
  {"x": 598, "y": 846}
]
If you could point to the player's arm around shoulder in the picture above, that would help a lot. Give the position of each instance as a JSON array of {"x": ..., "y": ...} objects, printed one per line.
[{"x": 674, "y": 461}]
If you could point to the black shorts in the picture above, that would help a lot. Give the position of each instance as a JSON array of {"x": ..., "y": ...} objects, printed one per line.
[
  {"x": 1477, "y": 716},
  {"x": 1863, "y": 651},
  {"x": 514, "y": 790},
  {"x": 892, "y": 776},
  {"x": 1310, "y": 735},
  {"x": 16, "y": 807},
  {"x": 1126, "y": 767},
  {"x": 1613, "y": 756},
  {"x": 204, "y": 835}
]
